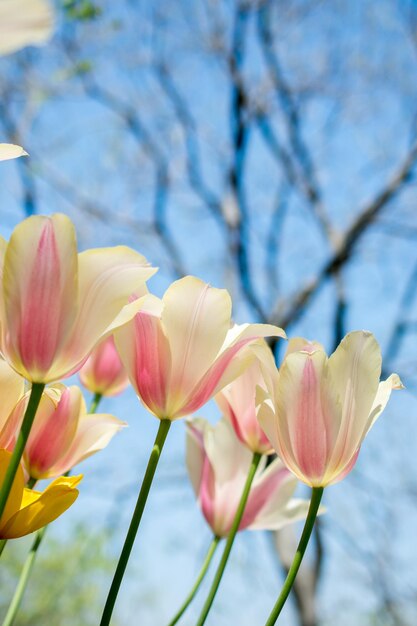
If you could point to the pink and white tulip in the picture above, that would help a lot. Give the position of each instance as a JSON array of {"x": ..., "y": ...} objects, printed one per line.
[
  {"x": 12, "y": 389},
  {"x": 63, "y": 433},
  {"x": 218, "y": 465},
  {"x": 103, "y": 372},
  {"x": 182, "y": 350},
  {"x": 24, "y": 23},
  {"x": 237, "y": 402},
  {"x": 318, "y": 410},
  {"x": 57, "y": 304},
  {"x": 10, "y": 151}
]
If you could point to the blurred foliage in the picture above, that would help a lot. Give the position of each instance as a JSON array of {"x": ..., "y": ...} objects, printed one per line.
[
  {"x": 67, "y": 580},
  {"x": 82, "y": 10}
]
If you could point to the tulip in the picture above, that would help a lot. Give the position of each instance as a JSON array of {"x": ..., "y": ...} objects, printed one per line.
[
  {"x": 24, "y": 23},
  {"x": 103, "y": 372},
  {"x": 63, "y": 434},
  {"x": 237, "y": 402},
  {"x": 319, "y": 409},
  {"x": 58, "y": 305},
  {"x": 10, "y": 151},
  {"x": 218, "y": 465},
  {"x": 182, "y": 350},
  {"x": 28, "y": 510}
]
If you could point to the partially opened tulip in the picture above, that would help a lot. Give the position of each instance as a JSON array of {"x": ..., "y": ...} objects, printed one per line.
[
  {"x": 320, "y": 409},
  {"x": 317, "y": 412},
  {"x": 182, "y": 350},
  {"x": 218, "y": 465},
  {"x": 103, "y": 372},
  {"x": 24, "y": 23},
  {"x": 64, "y": 434},
  {"x": 10, "y": 151},
  {"x": 237, "y": 401},
  {"x": 28, "y": 510},
  {"x": 59, "y": 304}
]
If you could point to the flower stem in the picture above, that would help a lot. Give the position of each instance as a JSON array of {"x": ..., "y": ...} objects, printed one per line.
[
  {"x": 161, "y": 435},
  {"x": 95, "y": 402},
  {"x": 2, "y": 545},
  {"x": 295, "y": 566},
  {"x": 34, "y": 399},
  {"x": 199, "y": 580},
  {"x": 230, "y": 539},
  {"x": 24, "y": 576}
]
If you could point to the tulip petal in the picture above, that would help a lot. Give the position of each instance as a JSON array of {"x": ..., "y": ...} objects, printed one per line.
[
  {"x": 145, "y": 354},
  {"x": 107, "y": 279},
  {"x": 41, "y": 294},
  {"x": 53, "y": 431},
  {"x": 9, "y": 150},
  {"x": 16, "y": 493},
  {"x": 269, "y": 493},
  {"x": 24, "y": 23},
  {"x": 43, "y": 510},
  {"x": 195, "y": 318},
  {"x": 354, "y": 370},
  {"x": 308, "y": 415},
  {"x": 94, "y": 432}
]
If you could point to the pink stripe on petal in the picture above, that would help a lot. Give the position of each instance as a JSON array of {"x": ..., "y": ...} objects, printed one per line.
[
  {"x": 207, "y": 492},
  {"x": 153, "y": 362},
  {"x": 310, "y": 436},
  {"x": 260, "y": 495},
  {"x": 208, "y": 384},
  {"x": 40, "y": 323}
]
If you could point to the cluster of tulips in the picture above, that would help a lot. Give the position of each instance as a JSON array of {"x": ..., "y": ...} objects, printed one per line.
[{"x": 62, "y": 312}]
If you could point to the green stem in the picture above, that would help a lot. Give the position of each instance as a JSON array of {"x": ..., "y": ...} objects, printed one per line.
[
  {"x": 2, "y": 545},
  {"x": 161, "y": 435},
  {"x": 34, "y": 399},
  {"x": 24, "y": 576},
  {"x": 200, "y": 577},
  {"x": 295, "y": 566},
  {"x": 230, "y": 539},
  {"x": 95, "y": 402}
]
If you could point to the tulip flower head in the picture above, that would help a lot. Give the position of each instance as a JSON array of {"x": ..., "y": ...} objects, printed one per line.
[
  {"x": 24, "y": 23},
  {"x": 237, "y": 401},
  {"x": 57, "y": 304},
  {"x": 28, "y": 510},
  {"x": 103, "y": 372},
  {"x": 218, "y": 465},
  {"x": 10, "y": 151},
  {"x": 63, "y": 434},
  {"x": 182, "y": 350},
  {"x": 318, "y": 410}
]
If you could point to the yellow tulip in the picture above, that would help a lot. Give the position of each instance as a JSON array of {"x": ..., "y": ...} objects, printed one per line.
[{"x": 28, "y": 510}]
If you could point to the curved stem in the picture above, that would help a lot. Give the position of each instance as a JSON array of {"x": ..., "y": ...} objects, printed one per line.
[
  {"x": 34, "y": 399},
  {"x": 95, "y": 402},
  {"x": 161, "y": 435},
  {"x": 24, "y": 576},
  {"x": 230, "y": 539},
  {"x": 295, "y": 566},
  {"x": 199, "y": 580},
  {"x": 2, "y": 545}
]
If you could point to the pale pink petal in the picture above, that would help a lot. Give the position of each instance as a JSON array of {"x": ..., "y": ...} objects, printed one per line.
[
  {"x": 354, "y": 371},
  {"x": 145, "y": 354},
  {"x": 40, "y": 294},
  {"x": 53, "y": 431},
  {"x": 94, "y": 433},
  {"x": 9, "y": 150},
  {"x": 24, "y": 23},
  {"x": 195, "y": 318},
  {"x": 103, "y": 372},
  {"x": 12, "y": 388},
  {"x": 308, "y": 416}
]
